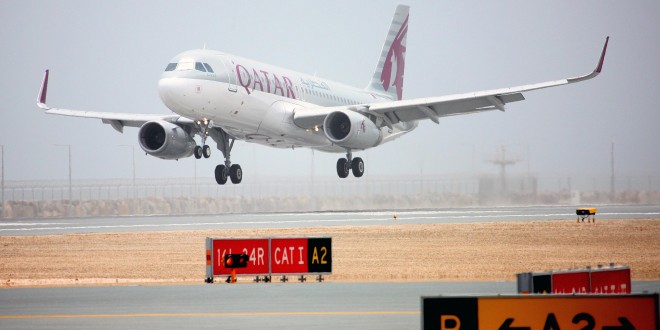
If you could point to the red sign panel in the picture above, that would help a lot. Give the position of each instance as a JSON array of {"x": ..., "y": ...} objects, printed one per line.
[
  {"x": 289, "y": 255},
  {"x": 571, "y": 282},
  {"x": 610, "y": 281},
  {"x": 256, "y": 249}
]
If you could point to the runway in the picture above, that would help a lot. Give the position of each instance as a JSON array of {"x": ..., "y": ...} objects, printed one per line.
[
  {"x": 250, "y": 306},
  {"x": 297, "y": 220},
  {"x": 240, "y": 306}
]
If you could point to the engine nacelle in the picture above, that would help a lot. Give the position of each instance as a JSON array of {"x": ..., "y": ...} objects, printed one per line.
[
  {"x": 165, "y": 140},
  {"x": 350, "y": 129}
]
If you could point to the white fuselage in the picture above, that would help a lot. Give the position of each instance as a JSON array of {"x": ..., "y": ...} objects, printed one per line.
[{"x": 255, "y": 102}]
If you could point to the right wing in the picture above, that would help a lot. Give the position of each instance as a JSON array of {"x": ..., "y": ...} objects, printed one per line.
[
  {"x": 115, "y": 119},
  {"x": 433, "y": 108}
]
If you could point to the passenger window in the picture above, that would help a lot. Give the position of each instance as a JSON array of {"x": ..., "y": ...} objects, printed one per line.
[
  {"x": 199, "y": 67},
  {"x": 208, "y": 68},
  {"x": 170, "y": 67}
]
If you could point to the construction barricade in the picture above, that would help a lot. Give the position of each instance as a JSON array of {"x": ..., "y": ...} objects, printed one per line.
[{"x": 586, "y": 213}]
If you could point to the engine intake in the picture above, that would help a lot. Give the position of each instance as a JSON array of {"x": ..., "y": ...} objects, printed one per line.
[
  {"x": 165, "y": 140},
  {"x": 350, "y": 129}
]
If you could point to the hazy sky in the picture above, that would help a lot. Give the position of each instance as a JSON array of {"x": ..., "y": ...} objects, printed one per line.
[{"x": 108, "y": 56}]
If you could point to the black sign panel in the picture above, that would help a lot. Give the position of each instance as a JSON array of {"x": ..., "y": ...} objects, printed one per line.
[
  {"x": 319, "y": 255},
  {"x": 542, "y": 283},
  {"x": 454, "y": 313}
]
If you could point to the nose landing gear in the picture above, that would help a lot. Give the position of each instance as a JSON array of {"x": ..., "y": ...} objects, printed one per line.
[
  {"x": 203, "y": 128},
  {"x": 202, "y": 151}
]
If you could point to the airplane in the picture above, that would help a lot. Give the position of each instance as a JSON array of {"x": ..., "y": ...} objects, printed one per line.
[{"x": 227, "y": 98}]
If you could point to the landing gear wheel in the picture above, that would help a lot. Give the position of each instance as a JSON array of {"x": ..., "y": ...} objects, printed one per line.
[
  {"x": 198, "y": 152},
  {"x": 357, "y": 165},
  {"x": 206, "y": 151},
  {"x": 236, "y": 174},
  {"x": 221, "y": 174},
  {"x": 343, "y": 167}
]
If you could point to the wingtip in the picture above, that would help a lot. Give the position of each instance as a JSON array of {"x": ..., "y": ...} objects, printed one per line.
[
  {"x": 41, "y": 101},
  {"x": 602, "y": 56},
  {"x": 598, "y": 69}
]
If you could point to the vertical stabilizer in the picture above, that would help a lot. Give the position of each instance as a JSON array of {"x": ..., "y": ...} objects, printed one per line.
[{"x": 388, "y": 76}]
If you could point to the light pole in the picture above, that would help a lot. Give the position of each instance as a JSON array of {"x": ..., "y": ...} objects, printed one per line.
[
  {"x": 2, "y": 178},
  {"x": 68, "y": 146},
  {"x": 133, "y": 157},
  {"x": 472, "y": 158}
]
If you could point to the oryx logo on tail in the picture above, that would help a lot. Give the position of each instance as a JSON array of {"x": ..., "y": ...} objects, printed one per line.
[
  {"x": 398, "y": 51},
  {"x": 391, "y": 64}
]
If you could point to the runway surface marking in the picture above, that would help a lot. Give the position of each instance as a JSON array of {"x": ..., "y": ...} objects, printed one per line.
[
  {"x": 403, "y": 216},
  {"x": 229, "y": 314},
  {"x": 193, "y": 224}
]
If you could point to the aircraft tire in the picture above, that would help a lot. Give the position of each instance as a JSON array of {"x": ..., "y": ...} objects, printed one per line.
[
  {"x": 198, "y": 152},
  {"x": 357, "y": 165},
  {"x": 206, "y": 151},
  {"x": 343, "y": 168},
  {"x": 236, "y": 174},
  {"x": 221, "y": 174}
]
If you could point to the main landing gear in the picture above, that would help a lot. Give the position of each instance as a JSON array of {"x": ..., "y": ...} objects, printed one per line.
[
  {"x": 223, "y": 172},
  {"x": 225, "y": 144},
  {"x": 345, "y": 165},
  {"x": 234, "y": 172}
]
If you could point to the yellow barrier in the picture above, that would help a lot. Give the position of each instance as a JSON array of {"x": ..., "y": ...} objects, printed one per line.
[{"x": 588, "y": 213}]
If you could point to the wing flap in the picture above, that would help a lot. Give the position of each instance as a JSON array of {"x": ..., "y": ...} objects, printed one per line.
[
  {"x": 126, "y": 119},
  {"x": 417, "y": 109}
]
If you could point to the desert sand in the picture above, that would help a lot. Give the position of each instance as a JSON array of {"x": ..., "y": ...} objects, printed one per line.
[{"x": 395, "y": 252}]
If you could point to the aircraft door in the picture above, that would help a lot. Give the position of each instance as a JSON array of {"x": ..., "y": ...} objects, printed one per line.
[
  {"x": 231, "y": 73},
  {"x": 301, "y": 92}
]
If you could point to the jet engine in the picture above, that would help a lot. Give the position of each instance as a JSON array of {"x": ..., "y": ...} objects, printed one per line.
[
  {"x": 165, "y": 140},
  {"x": 352, "y": 130}
]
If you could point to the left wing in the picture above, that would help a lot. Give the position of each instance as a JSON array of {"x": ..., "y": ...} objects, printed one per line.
[
  {"x": 433, "y": 108},
  {"x": 114, "y": 119}
]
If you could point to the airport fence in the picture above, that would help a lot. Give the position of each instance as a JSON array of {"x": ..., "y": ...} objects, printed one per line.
[
  {"x": 115, "y": 189},
  {"x": 27, "y": 199}
]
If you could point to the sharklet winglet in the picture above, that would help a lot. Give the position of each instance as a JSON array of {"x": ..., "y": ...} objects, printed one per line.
[
  {"x": 41, "y": 100},
  {"x": 596, "y": 71}
]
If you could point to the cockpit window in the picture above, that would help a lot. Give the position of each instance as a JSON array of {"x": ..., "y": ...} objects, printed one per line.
[
  {"x": 208, "y": 67},
  {"x": 189, "y": 64},
  {"x": 183, "y": 66}
]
